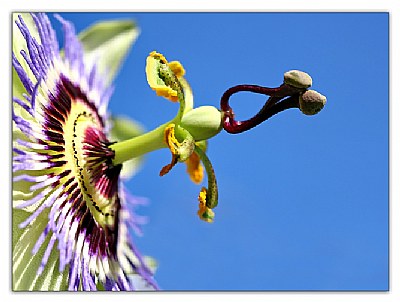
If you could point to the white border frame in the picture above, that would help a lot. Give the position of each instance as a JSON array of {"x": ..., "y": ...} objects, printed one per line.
[{"x": 215, "y": 5}]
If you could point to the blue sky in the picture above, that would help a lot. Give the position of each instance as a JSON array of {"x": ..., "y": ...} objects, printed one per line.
[{"x": 303, "y": 200}]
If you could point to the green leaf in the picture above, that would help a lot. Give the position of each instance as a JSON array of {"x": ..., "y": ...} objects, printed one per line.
[
  {"x": 107, "y": 43},
  {"x": 122, "y": 129}
]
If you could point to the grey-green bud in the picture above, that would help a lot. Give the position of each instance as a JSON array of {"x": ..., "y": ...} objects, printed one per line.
[
  {"x": 203, "y": 122},
  {"x": 297, "y": 78},
  {"x": 311, "y": 102}
]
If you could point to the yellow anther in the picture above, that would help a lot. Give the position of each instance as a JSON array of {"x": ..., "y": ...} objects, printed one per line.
[
  {"x": 173, "y": 145},
  {"x": 153, "y": 78},
  {"x": 194, "y": 168},
  {"x": 203, "y": 196},
  {"x": 177, "y": 68},
  {"x": 166, "y": 92},
  {"x": 170, "y": 139},
  {"x": 159, "y": 56},
  {"x": 204, "y": 212}
]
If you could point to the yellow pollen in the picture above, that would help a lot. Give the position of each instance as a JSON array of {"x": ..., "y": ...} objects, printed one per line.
[
  {"x": 194, "y": 168},
  {"x": 166, "y": 92},
  {"x": 157, "y": 84},
  {"x": 203, "y": 196},
  {"x": 177, "y": 68},
  {"x": 173, "y": 145},
  {"x": 204, "y": 212},
  {"x": 170, "y": 139},
  {"x": 159, "y": 56}
]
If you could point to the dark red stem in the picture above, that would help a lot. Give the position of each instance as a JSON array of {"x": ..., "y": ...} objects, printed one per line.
[{"x": 273, "y": 105}]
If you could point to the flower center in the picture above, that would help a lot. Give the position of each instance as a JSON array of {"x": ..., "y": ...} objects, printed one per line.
[{"x": 88, "y": 156}]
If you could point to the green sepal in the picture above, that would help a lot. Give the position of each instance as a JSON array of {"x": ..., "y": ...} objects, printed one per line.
[
  {"x": 26, "y": 264},
  {"x": 17, "y": 88},
  {"x": 107, "y": 43}
]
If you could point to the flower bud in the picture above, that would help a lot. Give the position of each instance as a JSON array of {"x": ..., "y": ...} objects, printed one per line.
[
  {"x": 297, "y": 78},
  {"x": 203, "y": 122},
  {"x": 311, "y": 102}
]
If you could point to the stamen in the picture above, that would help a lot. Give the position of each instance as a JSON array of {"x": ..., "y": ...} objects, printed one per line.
[
  {"x": 177, "y": 68},
  {"x": 167, "y": 80},
  {"x": 180, "y": 151},
  {"x": 173, "y": 145},
  {"x": 204, "y": 212},
  {"x": 161, "y": 78},
  {"x": 193, "y": 154},
  {"x": 212, "y": 191},
  {"x": 194, "y": 168},
  {"x": 158, "y": 56}
]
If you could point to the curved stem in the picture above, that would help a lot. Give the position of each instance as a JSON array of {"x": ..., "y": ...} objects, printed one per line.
[
  {"x": 171, "y": 80},
  {"x": 212, "y": 190},
  {"x": 268, "y": 110},
  {"x": 290, "y": 102},
  {"x": 232, "y": 126}
]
